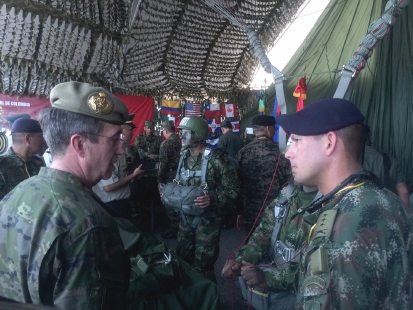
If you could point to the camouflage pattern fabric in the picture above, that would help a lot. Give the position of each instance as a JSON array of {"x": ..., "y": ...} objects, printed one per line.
[
  {"x": 294, "y": 234},
  {"x": 13, "y": 170},
  {"x": 230, "y": 143},
  {"x": 369, "y": 259},
  {"x": 169, "y": 155},
  {"x": 201, "y": 248},
  {"x": 58, "y": 245},
  {"x": 147, "y": 145},
  {"x": 257, "y": 163}
]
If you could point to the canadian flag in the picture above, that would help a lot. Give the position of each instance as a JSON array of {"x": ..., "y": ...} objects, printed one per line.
[{"x": 229, "y": 110}]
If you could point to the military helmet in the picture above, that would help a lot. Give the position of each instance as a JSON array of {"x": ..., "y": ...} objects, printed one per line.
[{"x": 196, "y": 124}]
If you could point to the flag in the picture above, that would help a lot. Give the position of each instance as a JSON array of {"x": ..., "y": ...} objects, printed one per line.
[
  {"x": 214, "y": 125},
  {"x": 172, "y": 107},
  {"x": 261, "y": 102},
  {"x": 229, "y": 110},
  {"x": 192, "y": 109},
  {"x": 212, "y": 141},
  {"x": 300, "y": 92},
  {"x": 212, "y": 110},
  {"x": 235, "y": 125}
]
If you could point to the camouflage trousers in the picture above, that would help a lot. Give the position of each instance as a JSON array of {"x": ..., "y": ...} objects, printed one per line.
[
  {"x": 200, "y": 247},
  {"x": 174, "y": 216}
]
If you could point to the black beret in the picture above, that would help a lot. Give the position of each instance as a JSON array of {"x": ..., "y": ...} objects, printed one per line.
[
  {"x": 11, "y": 118},
  {"x": 26, "y": 125},
  {"x": 226, "y": 124},
  {"x": 263, "y": 120},
  {"x": 321, "y": 117}
]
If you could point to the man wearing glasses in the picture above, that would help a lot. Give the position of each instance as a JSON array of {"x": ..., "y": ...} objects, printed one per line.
[
  {"x": 58, "y": 244},
  {"x": 19, "y": 162}
]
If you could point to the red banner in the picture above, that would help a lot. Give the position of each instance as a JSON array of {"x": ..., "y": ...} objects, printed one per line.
[
  {"x": 143, "y": 108},
  {"x": 10, "y": 105}
]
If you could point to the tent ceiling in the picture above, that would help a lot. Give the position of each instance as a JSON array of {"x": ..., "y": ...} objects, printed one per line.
[{"x": 153, "y": 47}]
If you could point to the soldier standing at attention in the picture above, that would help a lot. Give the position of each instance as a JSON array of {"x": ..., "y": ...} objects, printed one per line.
[
  {"x": 257, "y": 163},
  {"x": 360, "y": 252},
  {"x": 19, "y": 162},
  {"x": 229, "y": 142},
  {"x": 168, "y": 164},
  {"x": 147, "y": 143},
  {"x": 59, "y": 246},
  {"x": 198, "y": 237}
]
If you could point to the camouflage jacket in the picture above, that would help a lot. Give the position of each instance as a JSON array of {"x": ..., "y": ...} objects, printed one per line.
[
  {"x": 369, "y": 252},
  {"x": 257, "y": 163},
  {"x": 14, "y": 170},
  {"x": 169, "y": 155},
  {"x": 58, "y": 246},
  {"x": 147, "y": 145},
  {"x": 294, "y": 234},
  {"x": 221, "y": 177}
]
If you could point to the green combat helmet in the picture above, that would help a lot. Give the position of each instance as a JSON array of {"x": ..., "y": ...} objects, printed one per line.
[{"x": 196, "y": 130}]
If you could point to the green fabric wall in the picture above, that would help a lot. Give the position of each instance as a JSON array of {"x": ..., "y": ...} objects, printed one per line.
[{"x": 384, "y": 89}]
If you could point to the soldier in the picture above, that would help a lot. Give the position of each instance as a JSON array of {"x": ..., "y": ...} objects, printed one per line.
[
  {"x": 198, "y": 236},
  {"x": 59, "y": 246},
  {"x": 360, "y": 253},
  {"x": 147, "y": 143},
  {"x": 168, "y": 164},
  {"x": 258, "y": 162},
  {"x": 275, "y": 244},
  {"x": 19, "y": 162}
]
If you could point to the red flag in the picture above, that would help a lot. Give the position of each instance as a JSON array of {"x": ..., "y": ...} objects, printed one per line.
[
  {"x": 229, "y": 110},
  {"x": 300, "y": 92}
]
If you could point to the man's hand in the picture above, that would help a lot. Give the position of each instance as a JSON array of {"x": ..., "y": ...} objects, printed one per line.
[
  {"x": 203, "y": 201},
  {"x": 231, "y": 269},
  {"x": 240, "y": 222},
  {"x": 253, "y": 275},
  {"x": 138, "y": 171}
]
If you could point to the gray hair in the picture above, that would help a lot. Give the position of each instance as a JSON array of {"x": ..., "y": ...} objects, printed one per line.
[
  {"x": 59, "y": 126},
  {"x": 258, "y": 128},
  {"x": 169, "y": 126}
]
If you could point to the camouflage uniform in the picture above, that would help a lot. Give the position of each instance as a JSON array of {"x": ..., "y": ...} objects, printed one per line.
[
  {"x": 201, "y": 247},
  {"x": 67, "y": 250},
  {"x": 369, "y": 259},
  {"x": 13, "y": 170},
  {"x": 169, "y": 155},
  {"x": 257, "y": 162},
  {"x": 293, "y": 234},
  {"x": 147, "y": 145}
]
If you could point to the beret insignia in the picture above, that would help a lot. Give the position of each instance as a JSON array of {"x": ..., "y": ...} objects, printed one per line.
[{"x": 100, "y": 103}]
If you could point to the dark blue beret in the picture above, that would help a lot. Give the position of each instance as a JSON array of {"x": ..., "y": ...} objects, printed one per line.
[
  {"x": 263, "y": 120},
  {"x": 26, "y": 125},
  {"x": 321, "y": 117},
  {"x": 11, "y": 118}
]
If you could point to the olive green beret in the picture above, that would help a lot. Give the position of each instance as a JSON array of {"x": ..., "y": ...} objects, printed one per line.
[
  {"x": 85, "y": 99},
  {"x": 149, "y": 124},
  {"x": 11, "y": 118}
]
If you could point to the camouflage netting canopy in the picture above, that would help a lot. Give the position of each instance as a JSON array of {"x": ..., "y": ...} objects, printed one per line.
[{"x": 147, "y": 47}]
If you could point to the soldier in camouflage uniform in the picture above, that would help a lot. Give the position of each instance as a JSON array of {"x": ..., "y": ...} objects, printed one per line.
[
  {"x": 58, "y": 244},
  {"x": 169, "y": 155},
  {"x": 281, "y": 282},
  {"x": 257, "y": 162},
  {"x": 200, "y": 246},
  {"x": 147, "y": 143},
  {"x": 360, "y": 254},
  {"x": 19, "y": 162}
]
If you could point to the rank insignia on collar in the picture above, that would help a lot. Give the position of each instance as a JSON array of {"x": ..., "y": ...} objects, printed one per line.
[{"x": 100, "y": 103}]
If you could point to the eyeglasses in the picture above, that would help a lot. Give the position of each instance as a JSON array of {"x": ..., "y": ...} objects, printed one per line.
[{"x": 118, "y": 141}]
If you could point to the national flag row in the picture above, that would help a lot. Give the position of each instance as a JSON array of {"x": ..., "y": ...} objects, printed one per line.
[
  {"x": 214, "y": 125},
  {"x": 173, "y": 107}
]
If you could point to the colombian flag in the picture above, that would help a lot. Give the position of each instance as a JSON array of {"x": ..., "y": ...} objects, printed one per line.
[{"x": 172, "y": 107}]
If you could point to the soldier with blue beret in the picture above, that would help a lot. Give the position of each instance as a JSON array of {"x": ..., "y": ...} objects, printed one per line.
[
  {"x": 360, "y": 251},
  {"x": 63, "y": 248},
  {"x": 20, "y": 162}
]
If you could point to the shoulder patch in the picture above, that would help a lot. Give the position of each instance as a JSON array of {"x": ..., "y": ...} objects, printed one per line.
[{"x": 325, "y": 224}]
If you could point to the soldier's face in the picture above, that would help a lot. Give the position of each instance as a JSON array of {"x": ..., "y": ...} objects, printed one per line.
[
  {"x": 37, "y": 143},
  {"x": 188, "y": 138},
  {"x": 307, "y": 160},
  {"x": 149, "y": 131}
]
